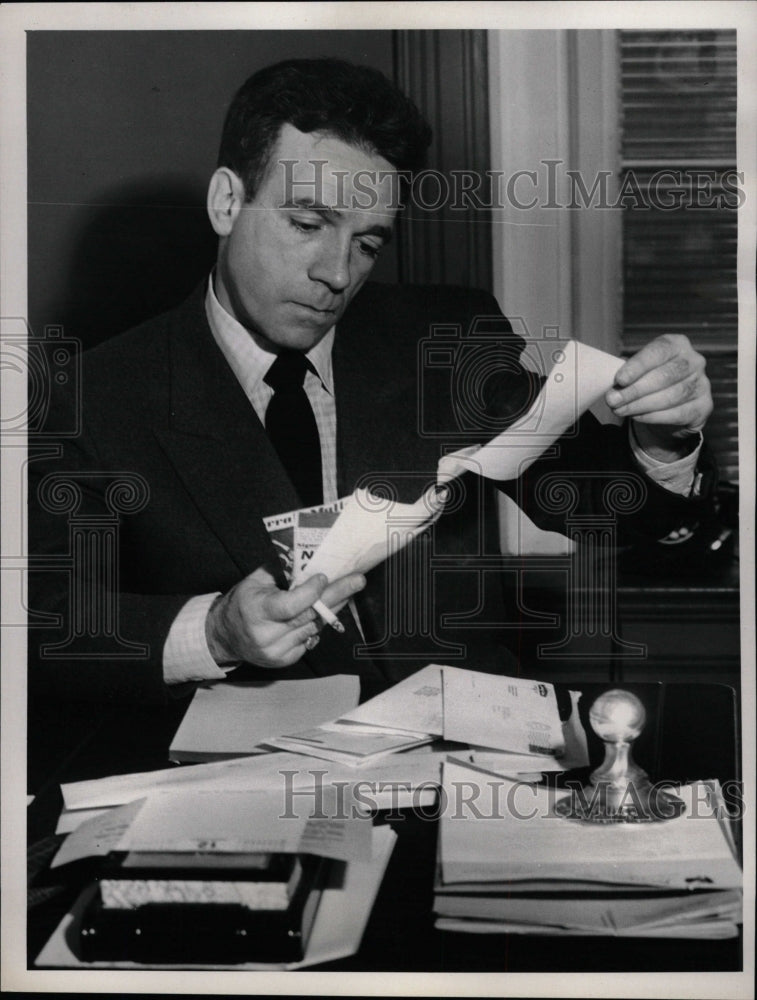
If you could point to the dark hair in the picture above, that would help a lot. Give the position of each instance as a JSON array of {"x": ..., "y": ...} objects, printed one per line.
[{"x": 356, "y": 104}]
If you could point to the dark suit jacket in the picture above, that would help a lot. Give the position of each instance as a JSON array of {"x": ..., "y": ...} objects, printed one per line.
[{"x": 160, "y": 402}]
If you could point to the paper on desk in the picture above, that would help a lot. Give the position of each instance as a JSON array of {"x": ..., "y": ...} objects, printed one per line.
[
  {"x": 606, "y": 914},
  {"x": 340, "y": 921},
  {"x": 260, "y": 771},
  {"x": 414, "y": 703},
  {"x": 277, "y": 771},
  {"x": 519, "y": 836},
  {"x": 71, "y": 819},
  {"x": 709, "y": 930},
  {"x": 687, "y": 915},
  {"x": 504, "y": 713},
  {"x": 222, "y": 822},
  {"x": 521, "y": 766},
  {"x": 233, "y": 717},
  {"x": 369, "y": 528},
  {"x": 350, "y": 743},
  {"x": 97, "y": 837}
]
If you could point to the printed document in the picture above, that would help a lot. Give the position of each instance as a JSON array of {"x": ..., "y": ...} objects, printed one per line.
[{"x": 503, "y": 713}]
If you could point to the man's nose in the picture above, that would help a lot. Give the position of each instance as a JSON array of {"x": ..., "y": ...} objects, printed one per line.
[{"x": 332, "y": 265}]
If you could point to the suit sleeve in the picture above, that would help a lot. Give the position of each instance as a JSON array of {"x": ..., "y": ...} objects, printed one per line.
[
  {"x": 89, "y": 638},
  {"x": 590, "y": 469}
]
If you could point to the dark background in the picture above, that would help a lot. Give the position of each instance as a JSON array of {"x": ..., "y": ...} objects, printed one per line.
[{"x": 123, "y": 132}]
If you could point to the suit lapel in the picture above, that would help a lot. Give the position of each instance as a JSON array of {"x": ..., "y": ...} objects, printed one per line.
[{"x": 218, "y": 446}]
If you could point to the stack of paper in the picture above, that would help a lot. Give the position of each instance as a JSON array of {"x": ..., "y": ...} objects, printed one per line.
[
  {"x": 509, "y": 863},
  {"x": 350, "y": 743},
  {"x": 232, "y": 718},
  {"x": 513, "y": 718},
  {"x": 340, "y": 921},
  {"x": 252, "y": 851},
  {"x": 394, "y": 767}
]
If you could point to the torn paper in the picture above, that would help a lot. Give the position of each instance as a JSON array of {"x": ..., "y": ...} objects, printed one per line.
[{"x": 362, "y": 530}]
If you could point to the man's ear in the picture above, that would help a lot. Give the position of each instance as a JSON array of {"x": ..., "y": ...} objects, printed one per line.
[{"x": 225, "y": 200}]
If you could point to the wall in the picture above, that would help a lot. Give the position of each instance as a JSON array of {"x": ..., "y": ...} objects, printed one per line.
[
  {"x": 554, "y": 108},
  {"x": 123, "y": 130}
]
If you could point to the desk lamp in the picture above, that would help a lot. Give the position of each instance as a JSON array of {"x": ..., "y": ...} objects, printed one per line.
[{"x": 619, "y": 790}]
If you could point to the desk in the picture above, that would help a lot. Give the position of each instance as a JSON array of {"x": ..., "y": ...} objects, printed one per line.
[
  {"x": 688, "y": 622},
  {"x": 400, "y": 935}
]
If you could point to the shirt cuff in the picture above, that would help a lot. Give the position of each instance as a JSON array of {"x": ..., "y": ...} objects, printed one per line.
[
  {"x": 678, "y": 476},
  {"x": 186, "y": 656}
]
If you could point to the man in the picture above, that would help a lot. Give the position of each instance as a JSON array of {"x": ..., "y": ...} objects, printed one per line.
[{"x": 303, "y": 200}]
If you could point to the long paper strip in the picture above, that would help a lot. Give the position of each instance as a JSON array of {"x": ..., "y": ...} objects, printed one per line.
[{"x": 369, "y": 528}]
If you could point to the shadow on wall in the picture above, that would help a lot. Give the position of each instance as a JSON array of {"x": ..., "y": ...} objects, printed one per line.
[{"x": 138, "y": 252}]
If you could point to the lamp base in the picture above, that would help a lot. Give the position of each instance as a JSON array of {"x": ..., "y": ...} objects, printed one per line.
[{"x": 607, "y": 803}]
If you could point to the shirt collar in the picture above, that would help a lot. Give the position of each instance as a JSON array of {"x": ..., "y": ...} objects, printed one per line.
[{"x": 248, "y": 360}]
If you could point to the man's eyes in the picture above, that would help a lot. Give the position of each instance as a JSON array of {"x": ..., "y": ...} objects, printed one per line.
[
  {"x": 369, "y": 249},
  {"x": 307, "y": 226}
]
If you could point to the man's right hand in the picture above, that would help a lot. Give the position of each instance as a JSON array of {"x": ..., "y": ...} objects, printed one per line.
[{"x": 258, "y": 623}]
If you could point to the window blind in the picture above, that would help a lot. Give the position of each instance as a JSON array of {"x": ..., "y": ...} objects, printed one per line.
[{"x": 680, "y": 192}]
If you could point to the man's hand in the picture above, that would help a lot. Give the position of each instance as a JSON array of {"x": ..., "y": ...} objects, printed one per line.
[
  {"x": 258, "y": 623},
  {"x": 664, "y": 389}
]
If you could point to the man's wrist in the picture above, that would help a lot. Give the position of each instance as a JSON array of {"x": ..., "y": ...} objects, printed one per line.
[
  {"x": 186, "y": 657},
  {"x": 661, "y": 445},
  {"x": 677, "y": 476},
  {"x": 214, "y": 635}
]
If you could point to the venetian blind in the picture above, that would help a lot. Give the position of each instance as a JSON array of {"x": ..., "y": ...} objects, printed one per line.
[{"x": 680, "y": 192}]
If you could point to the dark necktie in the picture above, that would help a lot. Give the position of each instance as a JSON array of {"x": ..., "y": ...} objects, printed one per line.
[{"x": 290, "y": 424}]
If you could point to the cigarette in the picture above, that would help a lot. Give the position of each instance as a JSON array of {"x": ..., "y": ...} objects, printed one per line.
[{"x": 328, "y": 616}]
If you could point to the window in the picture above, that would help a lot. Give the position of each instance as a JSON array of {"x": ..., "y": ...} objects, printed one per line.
[{"x": 678, "y": 150}]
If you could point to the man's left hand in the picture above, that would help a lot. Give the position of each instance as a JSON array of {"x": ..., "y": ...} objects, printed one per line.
[{"x": 664, "y": 389}]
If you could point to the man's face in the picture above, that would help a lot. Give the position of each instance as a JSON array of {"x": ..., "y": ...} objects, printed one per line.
[{"x": 300, "y": 250}]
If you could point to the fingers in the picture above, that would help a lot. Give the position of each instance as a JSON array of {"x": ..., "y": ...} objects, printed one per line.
[
  {"x": 308, "y": 615},
  {"x": 260, "y": 624},
  {"x": 336, "y": 595},
  {"x": 653, "y": 355},
  {"x": 679, "y": 416},
  {"x": 671, "y": 396},
  {"x": 664, "y": 384},
  {"x": 292, "y": 645},
  {"x": 285, "y": 605},
  {"x": 640, "y": 377}
]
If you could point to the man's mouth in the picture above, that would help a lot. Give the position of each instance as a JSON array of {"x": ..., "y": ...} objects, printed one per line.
[
  {"x": 317, "y": 310},
  {"x": 320, "y": 307}
]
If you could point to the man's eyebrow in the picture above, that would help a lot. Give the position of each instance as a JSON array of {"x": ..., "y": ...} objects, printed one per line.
[{"x": 310, "y": 205}]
